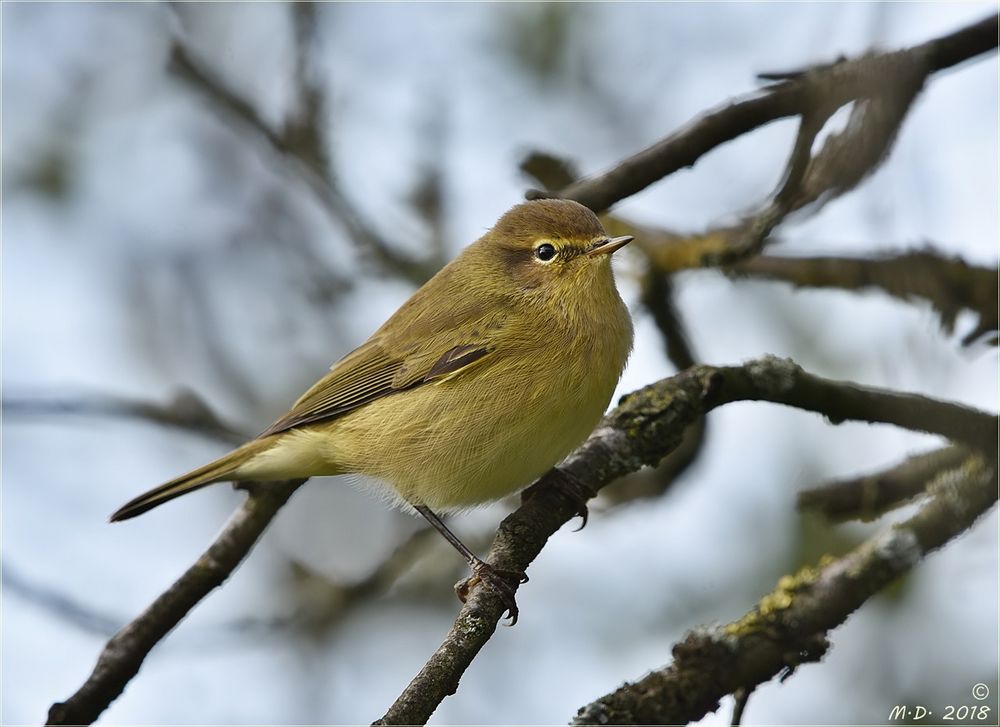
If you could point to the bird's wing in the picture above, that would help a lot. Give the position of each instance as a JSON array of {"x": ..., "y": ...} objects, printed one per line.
[{"x": 373, "y": 371}]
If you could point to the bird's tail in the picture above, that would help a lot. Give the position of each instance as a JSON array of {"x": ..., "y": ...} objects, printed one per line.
[{"x": 220, "y": 470}]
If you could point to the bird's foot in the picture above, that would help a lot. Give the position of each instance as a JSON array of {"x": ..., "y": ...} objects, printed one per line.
[
  {"x": 569, "y": 488},
  {"x": 502, "y": 582}
]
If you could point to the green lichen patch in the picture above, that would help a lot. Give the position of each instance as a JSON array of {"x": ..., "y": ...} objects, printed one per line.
[{"x": 770, "y": 607}]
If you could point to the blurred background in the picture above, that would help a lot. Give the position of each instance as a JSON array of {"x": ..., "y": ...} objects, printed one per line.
[{"x": 159, "y": 250}]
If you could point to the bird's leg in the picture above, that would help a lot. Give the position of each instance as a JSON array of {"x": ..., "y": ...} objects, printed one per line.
[
  {"x": 502, "y": 582},
  {"x": 568, "y": 487}
]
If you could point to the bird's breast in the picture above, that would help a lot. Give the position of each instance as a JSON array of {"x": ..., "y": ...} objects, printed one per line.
[{"x": 484, "y": 434}]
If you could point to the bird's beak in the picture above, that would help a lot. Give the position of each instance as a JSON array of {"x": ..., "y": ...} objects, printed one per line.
[{"x": 609, "y": 246}]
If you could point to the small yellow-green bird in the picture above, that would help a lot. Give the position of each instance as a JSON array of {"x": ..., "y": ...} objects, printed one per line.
[{"x": 489, "y": 375}]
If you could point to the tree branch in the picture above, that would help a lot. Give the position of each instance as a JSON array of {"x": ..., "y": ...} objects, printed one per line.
[
  {"x": 646, "y": 426},
  {"x": 324, "y": 611},
  {"x": 124, "y": 653},
  {"x": 338, "y": 599},
  {"x": 949, "y": 284},
  {"x": 301, "y": 149},
  {"x": 838, "y": 83},
  {"x": 57, "y": 603},
  {"x": 883, "y": 89},
  {"x": 871, "y": 496},
  {"x": 788, "y": 627},
  {"x": 783, "y": 382},
  {"x": 186, "y": 411}
]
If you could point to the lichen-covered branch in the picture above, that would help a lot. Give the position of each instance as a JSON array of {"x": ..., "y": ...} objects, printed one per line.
[
  {"x": 124, "y": 653},
  {"x": 789, "y": 626},
  {"x": 870, "y": 496},
  {"x": 949, "y": 284},
  {"x": 646, "y": 426}
]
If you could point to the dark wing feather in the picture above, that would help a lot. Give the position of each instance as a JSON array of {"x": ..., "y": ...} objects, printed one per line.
[
  {"x": 369, "y": 373},
  {"x": 422, "y": 342},
  {"x": 455, "y": 360}
]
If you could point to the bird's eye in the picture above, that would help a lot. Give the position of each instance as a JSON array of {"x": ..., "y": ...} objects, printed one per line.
[{"x": 545, "y": 252}]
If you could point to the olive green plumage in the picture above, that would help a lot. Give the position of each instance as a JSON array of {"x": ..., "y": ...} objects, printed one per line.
[{"x": 490, "y": 374}]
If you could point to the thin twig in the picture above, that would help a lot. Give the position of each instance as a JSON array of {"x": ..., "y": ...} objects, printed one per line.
[
  {"x": 303, "y": 155},
  {"x": 870, "y": 496},
  {"x": 741, "y": 697},
  {"x": 339, "y": 599},
  {"x": 58, "y": 603},
  {"x": 186, "y": 411}
]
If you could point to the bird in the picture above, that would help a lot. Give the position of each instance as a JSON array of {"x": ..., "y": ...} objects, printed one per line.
[{"x": 487, "y": 377}]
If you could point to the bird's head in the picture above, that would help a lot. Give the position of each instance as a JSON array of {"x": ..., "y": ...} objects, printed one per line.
[{"x": 556, "y": 247}]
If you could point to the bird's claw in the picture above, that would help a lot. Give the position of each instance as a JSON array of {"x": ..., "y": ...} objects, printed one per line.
[
  {"x": 502, "y": 582},
  {"x": 569, "y": 488}
]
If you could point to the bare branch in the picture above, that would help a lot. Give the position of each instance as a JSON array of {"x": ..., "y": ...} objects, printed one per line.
[
  {"x": 810, "y": 124},
  {"x": 303, "y": 135},
  {"x": 658, "y": 298},
  {"x": 883, "y": 89},
  {"x": 783, "y": 382},
  {"x": 789, "y": 626},
  {"x": 60, "y": 604},
  {"x": 550, "y": 171},
  {"x": 186, "y": 411},
  {"x": 336, "y": 600},
  {"x": 871, "y": 496},
  {"x": 949, "y": 284},
  {"x": 303, "y": 154},
  {"x": 842, "y": 82},
  {"x": 646, "y": 426},
  {"x": 339, "y": 599},
  {"x": 124, "y": 653}
]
